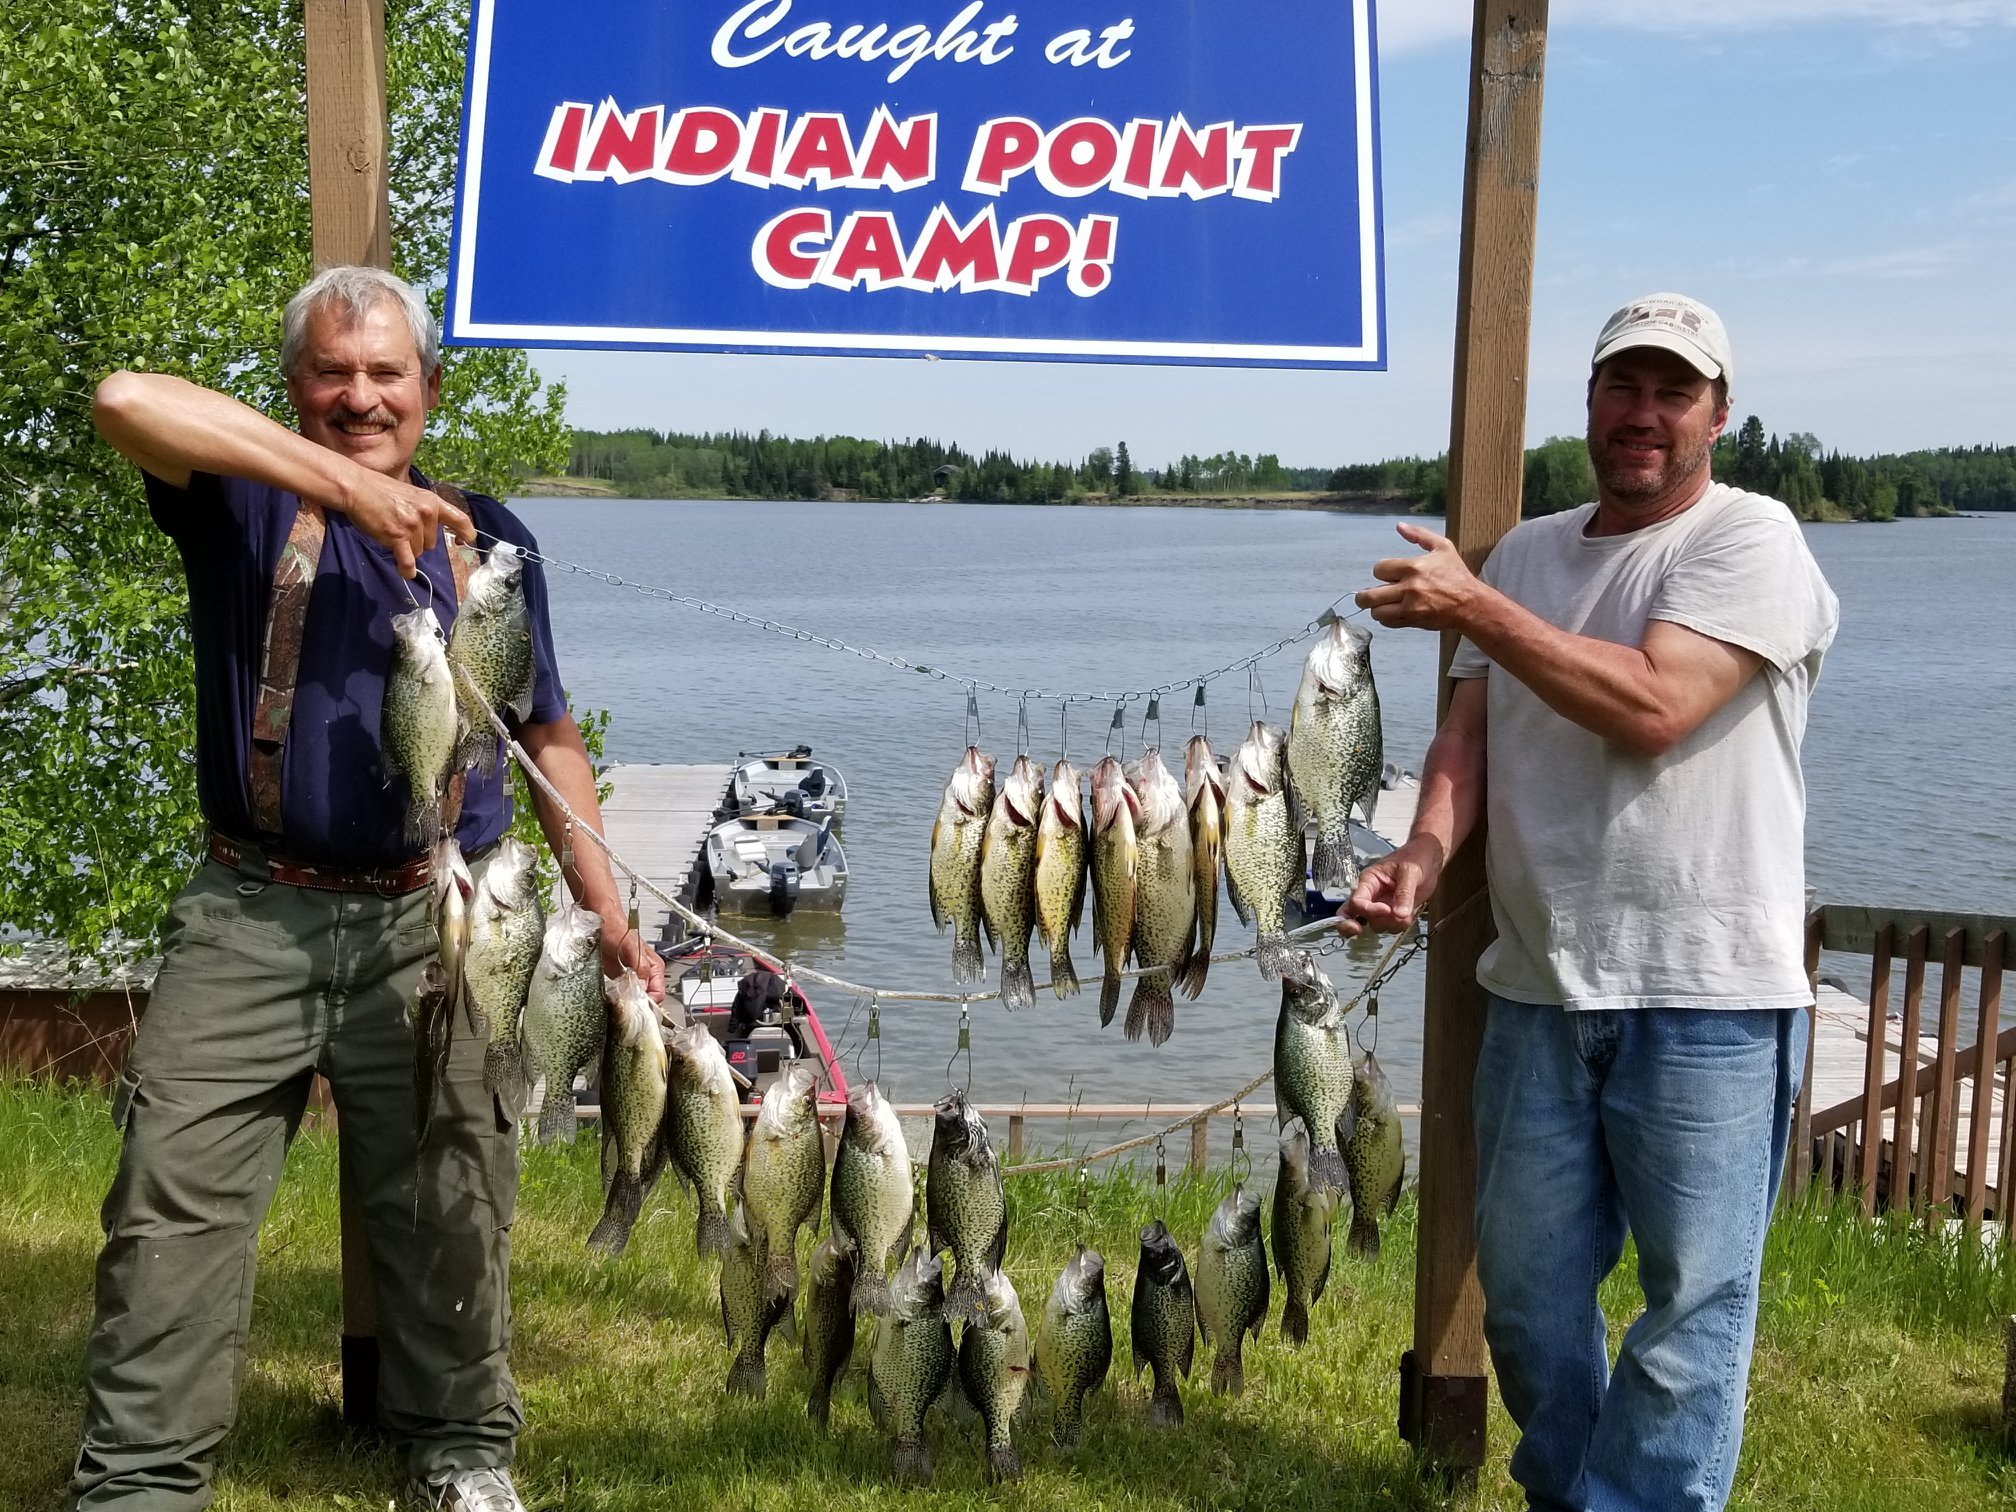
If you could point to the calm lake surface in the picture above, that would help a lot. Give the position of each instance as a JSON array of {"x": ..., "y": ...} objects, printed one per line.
[{"x": 1910, "y": 759}]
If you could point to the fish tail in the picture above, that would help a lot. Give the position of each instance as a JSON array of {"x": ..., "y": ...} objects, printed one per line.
[
  {"x": 819, "y": 1403},
  {"x": 1228, "y": 1371},
  {"x": 1279, "y": 959},
  {"x": 556, "y": 1115},
  {"x": 1333, "y": 863},
  {"x": 503, "y": 1071},
  {"x": 1003, "y": 1463},
  {"x": 780, "y": 1276},
  {"x": 967, "y": 963},
  {"x": 1063, "y": 974},
  {"x": 710, "y": 1233},
  {"x": 1067, "y": 1421},
  {"x": 1190, "y": 975},
  {"x": 1165, "y": 1407},
  {"x": 911, "y": 1461},
  {"x": 423, "y": 820},
  {"x": 619, "y": 1215},
  {"x": 745, "y": 1376},
  {"x": 1152, "y": 1009},
  {"x": 1109, "y": 997},
  {"x": 1364, "y": 1239},
  {"x": 1295, "y": 1322},
  {"x": 1018, "y": 985},
  {"x": 871, "y": 1293},
  {"x": 1328, "y": 1171},
  {"x": 967, "y": 1301}
]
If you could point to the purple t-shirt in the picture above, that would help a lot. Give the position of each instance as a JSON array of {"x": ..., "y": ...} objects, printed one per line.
[{"x": 337, "y": 805}]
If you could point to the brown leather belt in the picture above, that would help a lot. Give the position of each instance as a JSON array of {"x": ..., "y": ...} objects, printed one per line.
[{"x": 390, "y": 881}]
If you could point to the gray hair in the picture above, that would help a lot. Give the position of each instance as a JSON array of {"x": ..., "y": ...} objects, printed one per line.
[{"x": 356, "y": 290}]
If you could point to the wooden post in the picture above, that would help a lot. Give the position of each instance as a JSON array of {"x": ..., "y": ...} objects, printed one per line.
[
  {"x": 1987, "y": 1022},
  {"x": 1015, "y": 1122},
  {"x": 1872, "y": 1074},
  {"x": 1799, "y": 1167},
  {"x": 1443, "y": 1391},
  {"x": 1904, "y": 1191},
  {"x": 1200, "y": 1146},
  {"x": 1942, "y": 1122},
  {"x": 349, "y": 211}
]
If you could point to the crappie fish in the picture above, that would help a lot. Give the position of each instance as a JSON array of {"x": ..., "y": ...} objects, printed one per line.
[
  {"x": 1061, "y": 847},
  {"x": 1074, "y": 1344},
  {"x": 507, "y": 927},
  {"x": 1164, "y": 1331},
  {"x": 994, "y": 1372},
  {"x": 1204, "y": 796},
  {"x": 634, "y": 1071},
  {"x": 419, "y": 727},
  {"x": 492, "y": 643},
  {"x": 1007, "y": 878},
  {"x": 1336, "y": 751},
  {"x": 747, "y": 1312},
  {"x": 874, "y": 1195},
  {"x": 452, "y": 891},
  {"x": 828, "y": 1340},
  {"x": 1232, "y": 1287},
  {"x": 784, "y": 1174},
  {"x": 702, "y": 1133},
  {"x": 1312, "y": 1073},
  {"x": 1374, "y": 1155},
  {"x": 1263, "y": 846},
  {"x": 1116, "y": 861},
  {"x": 431, "y": 1016},
  {"x": 956, "y": 840},
  {"x": 1302, "y": 1217},
  {"x": 1165, "y": 898},
  {"x": 564, "y": 1014},
  {"x": 912, "y": 1361},
  {"x": 965, "y": 1207}
]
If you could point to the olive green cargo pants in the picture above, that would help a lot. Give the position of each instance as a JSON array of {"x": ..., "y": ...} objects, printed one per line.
[{"x": 262, "y": 985}]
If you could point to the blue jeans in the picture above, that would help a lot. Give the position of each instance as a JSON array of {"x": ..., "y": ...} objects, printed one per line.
[{"x": 1670, "y": 1123}]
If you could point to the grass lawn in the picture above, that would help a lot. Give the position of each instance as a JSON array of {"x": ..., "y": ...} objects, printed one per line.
[{"x": 1877, "y": 1383}]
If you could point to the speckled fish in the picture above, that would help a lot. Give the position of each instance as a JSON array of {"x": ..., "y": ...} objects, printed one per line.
[
  {"x": 507, "y": 927},
  {"x": 1264, "y": 862},
  {"x": 1204, "y": 796},
  {"x": 747, "y": 1313},
  {"x": 1374, "y": 1155},
  {"x": 1165, "y": 898},
  {"x": 964, "y": 1204},
  {"x": 1232, "y": 1288},
  {"x": 419, "y": 727},
  {"x": 451, "y": 894},
  {"x": 784, "y": 1174},
  {"x": 1074, "y": 1344},
  {"x": 1116, "y": 860},
  {"x": 874, "y": 1194},
  {"x": 1061, "y": 846},
  {"x": 956, "y": 839},
  {"x": 634, "y": 1070},
  {"x": 564, "y": 1014},
  {"x": 1302, "y": 1217},
  {"x": 431, "y": 1017},
  {"x": 994, "y": 1372},
  {"x": 492, "y": 643},
  {"x": 1164, "y": 1323},
  {"x": 1312, "y": 1073},
  {"x": 828, "y": 1335},
  {"x": 703, "y": 1132},
  {"x": 912, "y": 1361},
  {"x": 1008, "y": 876},
  {"x": 1336, "y": 749}
]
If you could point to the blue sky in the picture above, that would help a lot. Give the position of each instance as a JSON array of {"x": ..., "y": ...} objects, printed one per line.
[{"x": 1836, "y": 177}]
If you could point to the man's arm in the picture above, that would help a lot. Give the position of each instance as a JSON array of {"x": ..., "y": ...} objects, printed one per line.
[
  {"x": 1392, "y": 890},
  {"x": 562, "y": 757},
  {"x": 173, "y": 428},
  {"x": 1645, "y": 698}
]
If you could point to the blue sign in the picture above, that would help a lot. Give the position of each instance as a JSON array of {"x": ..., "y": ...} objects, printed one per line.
[{"x": 1185, "y": 181}]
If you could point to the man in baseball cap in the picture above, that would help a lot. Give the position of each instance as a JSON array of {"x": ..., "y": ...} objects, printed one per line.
[{"x": 1634, "y": 676}]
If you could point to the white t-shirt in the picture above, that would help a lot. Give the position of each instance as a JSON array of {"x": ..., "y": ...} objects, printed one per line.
[{"x": 1675, "y": 881}]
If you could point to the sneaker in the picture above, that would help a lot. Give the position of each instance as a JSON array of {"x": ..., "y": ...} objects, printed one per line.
[{"x": 485, "y": 1490}]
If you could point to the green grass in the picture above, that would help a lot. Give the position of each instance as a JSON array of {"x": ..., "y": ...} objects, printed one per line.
[{"x": 1877, "y": 1383}]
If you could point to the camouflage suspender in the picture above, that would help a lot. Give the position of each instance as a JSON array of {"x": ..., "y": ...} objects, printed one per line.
[{"x": 280, "y": 656}]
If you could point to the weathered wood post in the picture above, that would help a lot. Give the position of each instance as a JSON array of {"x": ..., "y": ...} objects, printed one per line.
[
  {"x": 349, "y": 209},
  {"x": 1442, "y": 1378}
]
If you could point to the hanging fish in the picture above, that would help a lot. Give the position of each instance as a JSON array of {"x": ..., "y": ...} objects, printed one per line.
[
  {"x": 912, "y": 1361},
  {"x": 1303, "y": 1213},
  {"x": 431, "y": 1016},
  {"x": 1074, "y": 1344},
  {"x": 634, "y": 1072},
  {"x": 1007, "y": 878},
  {"x": 1374, "y": 1154},
  {"x": 874, "y": 1194},
  {"x": 748, "y": 1312},
  {"x": 1336, "y": 748},
  {"x": 703, "y": 1133},
  {"x": 492, "y": 643},
  {"x": 1232, "y": 1288},
  {"x": 564, "y": 1014},
  {"x": 1204, "y": 795},
  {"x": 419, "y": 727},
  {"x": 507, "y": 927},
  {"x": 452, "y": 892},
  {"x": 965, "y": 1205},
  {"x": 829, "y": 1322},
  {"x": 1264, "y": 863},
  {"x": 994, "y": 1372},
  {"x": 956, "y": 840},
  {"x": 1164, "y": 1323},
  {"x": 784, "y": 1174},
  {"x": 1116, "y": 861},
  {"x": 1312, "y": 1073},
  {"x": 1061, "y": 847},
  {"x": 1165, "y": 898}
]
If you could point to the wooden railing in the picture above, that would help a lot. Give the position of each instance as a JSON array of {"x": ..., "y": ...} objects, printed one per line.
[{"x": 1931, "y": 1136}]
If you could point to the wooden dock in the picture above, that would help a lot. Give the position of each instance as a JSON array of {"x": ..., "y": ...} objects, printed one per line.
[{"x": 657, "y": 818}]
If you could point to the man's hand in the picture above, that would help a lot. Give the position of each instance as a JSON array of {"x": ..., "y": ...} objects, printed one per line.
[
  {"x": 623, "y": 950},
  {"x": 1433, "y": 591},
  {"x": 403, "y": 519},
  {"x": 1392, "y": 891}
]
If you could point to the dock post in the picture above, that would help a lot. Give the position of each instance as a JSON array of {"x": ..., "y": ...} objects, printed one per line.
[
  {"x": 1015, "y": 1138},
  {"x": 1200, "y": 1146}
]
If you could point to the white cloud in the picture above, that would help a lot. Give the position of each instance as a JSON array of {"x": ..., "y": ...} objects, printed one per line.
[{"x": 1406, "y": 24}]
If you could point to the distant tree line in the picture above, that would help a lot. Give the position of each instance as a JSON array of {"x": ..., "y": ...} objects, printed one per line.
[{"x": 1815, "y": 483}]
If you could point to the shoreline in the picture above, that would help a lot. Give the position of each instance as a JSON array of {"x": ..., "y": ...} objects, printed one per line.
[{"x": 1334, "y": 503}]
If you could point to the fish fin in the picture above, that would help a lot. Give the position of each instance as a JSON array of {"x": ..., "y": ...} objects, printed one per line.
[
  {"x": 1003, "y": 1463},
  {"x": 1067, "y": 1421},
  {"x": 1079, "y": 888},
  {"x": 556, "y": 1115},
  {"x": 1109, "y": 996},
  {"x": 997, "y": 1251},
  {"x": 1335, "y": 864},
  {"x": 871, "y": 1294},
  {"x": 1393, "y": 1197},
  {"x": 910, "y": 1461},
  {"x": 745, "y": 1376},
  {"x": 1018, "y": 985},
  {"x": 1228, "y": 1372},
  {"x": 968, "y": 965},
  {"x": 931, "y": 880},
  {"x": 1347, "y": 1124},
  {"x": 1165, "y": 1407},
  {"x": 819, "y": 1404},
  {"x": 780, "y": 1275},
  {"x": 1239, "y": 904},
  {"x": 1063, "y": 974},
  {"x": 1327, "y": 1170},
  {"x": 710, "y": 1233},
  {"x": 1364, "y": 1239},
  {"x": 619, "y": 1215},
  {"x": 1191, "y": 973},
  {"x": 1152, "y": 1009},
  {"x": 1295, "y": 1322},
  {"x": 1279, "y": 959},
  {"x": 503, "y": 1071},
  {"x": 987, "y": 929},
  {"x": 785, "y": 1319},
  {"x": 966, "y": 1302},
  {"x": 1322, "y": 1278}
]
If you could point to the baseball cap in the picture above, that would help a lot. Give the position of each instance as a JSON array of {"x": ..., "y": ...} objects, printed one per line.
[{"x": 1673, "y": 322}]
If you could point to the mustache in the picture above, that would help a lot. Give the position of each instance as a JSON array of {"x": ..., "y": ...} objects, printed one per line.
[{"x": 377, "y": 416}]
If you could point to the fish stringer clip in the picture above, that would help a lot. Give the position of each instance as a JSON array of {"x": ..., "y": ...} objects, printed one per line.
[
  {"x": 874, "y": 1037},
  {"x": 1022, "y": 726},
  {"x": 1064, "y": 730},
  {"x": 1370, "y": 1023},
  {"x": 567, "y": 855},
  {"x": 1256, "y": 689},
  {"x": 1161, "y": 1164},
  {"x": 1154, "y": 712},
  {"x": 1117, "y": 728},
  {"x": 972, "y": 716},
  {"x": 965, "y": 1048},
  {"x": 1242, "y": 1163},
  {"x": 1200, "y": 717}
]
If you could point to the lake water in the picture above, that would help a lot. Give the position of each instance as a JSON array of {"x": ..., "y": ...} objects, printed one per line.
[{"x": 1910, "y": 760}]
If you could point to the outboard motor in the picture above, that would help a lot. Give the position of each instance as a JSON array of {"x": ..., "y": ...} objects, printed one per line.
[
  {"x": 783, "y": 889},
  {"x": 792, "y": 803}
]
